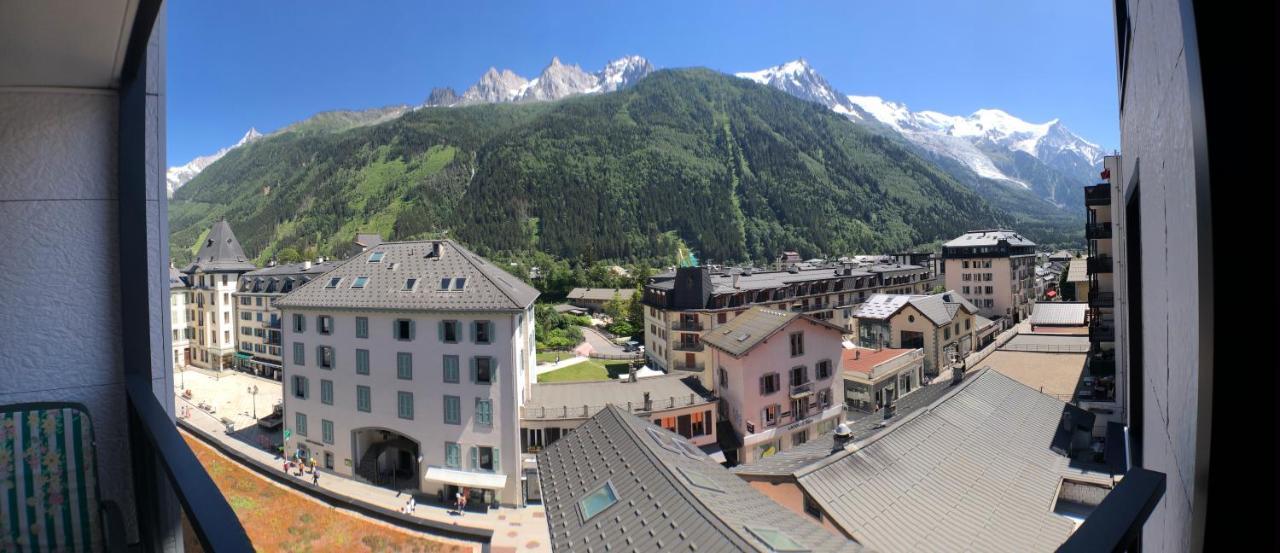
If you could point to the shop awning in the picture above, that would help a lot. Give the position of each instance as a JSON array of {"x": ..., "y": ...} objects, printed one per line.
[
  {"x": 243, "y": 355},
  {"x": 482, "y": 480}
]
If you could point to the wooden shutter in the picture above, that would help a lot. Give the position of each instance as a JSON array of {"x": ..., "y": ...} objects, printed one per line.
[{"x": 493, "y": 370}]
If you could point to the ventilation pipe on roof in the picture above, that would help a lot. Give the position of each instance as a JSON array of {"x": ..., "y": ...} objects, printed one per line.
[
  {"x": 735, "y": 279},
  {"x": 842, "y": 436},
  {"x": 306, "y": 265},
  {"x": 648, "y": 404},
  {"x": 435, "y": 249}
]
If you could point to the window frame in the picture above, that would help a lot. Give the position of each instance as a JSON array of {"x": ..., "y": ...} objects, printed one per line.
[{"x": 401, "y": 397}]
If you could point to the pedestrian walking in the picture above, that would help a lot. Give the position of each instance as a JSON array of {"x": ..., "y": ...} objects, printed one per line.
[
  {"x": 286, "y": 466},
  {"x": 315, "y": 477},
  {"x": 457, "y": 502},
  {"x": 413, "y": 504}
]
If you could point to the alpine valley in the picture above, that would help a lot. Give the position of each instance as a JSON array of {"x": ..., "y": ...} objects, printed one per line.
[{"x": 634, "y": 163}]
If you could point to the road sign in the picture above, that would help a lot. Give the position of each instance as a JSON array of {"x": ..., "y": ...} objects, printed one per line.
[{"x": 287, "y": 433}]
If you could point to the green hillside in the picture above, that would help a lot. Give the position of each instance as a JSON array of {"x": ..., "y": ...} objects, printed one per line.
[{"x": 730, "y": 169}]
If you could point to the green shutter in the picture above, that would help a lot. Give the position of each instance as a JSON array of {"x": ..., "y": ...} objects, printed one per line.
[
  {"x": 475, "y": 457},
  {"x": 413, "y": 327},
  {"x": 493, "y": 371},
  {"x": 497, "y": 467},
  {"x": 473, "y": 370},
  {"x": 440, "y": 331}
]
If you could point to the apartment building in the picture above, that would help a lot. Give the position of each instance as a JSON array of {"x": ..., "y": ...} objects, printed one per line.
[
  {"x": 179, "y": 318},
  {"x": 777, "y": 377},
  {"x": 258, "y": 339},
  {"x": 994, "y": 269},
  {"x": 406, "y": 366},
  {"x": 1101, "y": 392},
  {"x": 213, "y": 277},
  {"x": 944, "y": 326},
  {"x": 683, "y": 306},
  {"x": 876, "y": 377}
]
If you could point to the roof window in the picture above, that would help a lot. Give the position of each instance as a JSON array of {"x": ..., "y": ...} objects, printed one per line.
[
  {"x": 375, "y": 257},
  {"x": 333, "y": 282},
  {"x": 360, "y": 282},
  {"x": 598, "y": 500}
]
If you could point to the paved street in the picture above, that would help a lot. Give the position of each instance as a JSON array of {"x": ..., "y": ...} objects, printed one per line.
[
  {"x": 600, "y": 343},
  {"x": 515, "y": 530}
]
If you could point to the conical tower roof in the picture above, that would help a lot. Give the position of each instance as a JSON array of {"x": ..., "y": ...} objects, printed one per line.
[{"x": 220, "y": 253}]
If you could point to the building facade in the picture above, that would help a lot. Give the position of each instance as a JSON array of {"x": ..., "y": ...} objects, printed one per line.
[
  {"x": 406, "y": 366},
  {"x": 944, "y": 326},
  {"x": 594, "y": 299},
  {"x": 259, "y": 325},
  {"x": 875, "y": 377},
  {"x": 179, "y": 318},
  {"x": 213, "y": 277},
  {"x": 994, "y": 269},
  {"x": 777, "y": 377},
  {"x": 682, "y": 307}
]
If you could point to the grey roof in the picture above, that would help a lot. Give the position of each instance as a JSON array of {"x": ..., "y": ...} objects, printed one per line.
[
  {"x": 1061, "y": 254},
  {"x": 988, "y": 238},
  {"x": 670, "y": 495},
  {"x": 220, "y": 252},
  {"x": 602, "y": 294},
  {"x": 940, "y": 308},
  {"x": 176, "y": 278},
  {"x": 666, "y": 390},
  {"x": 766, "y": 280},
  {"x": 282, "y": 279},
  {"x": 1077, "y": 271},
  {"x": 1068, "y": 313},
  {"x": 754, "y": 326},
  {"x": 368, "y": 239},
  {"x": 862, "y": 425},
  {"x": 486, "y": 288},
  {"x": 1047, "y": 343},
  {"x": 973, "y": 472}
]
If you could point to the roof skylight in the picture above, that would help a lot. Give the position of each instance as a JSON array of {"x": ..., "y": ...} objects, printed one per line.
[
  {"x": 410, "y": 283},
  {"x": 700, "y": 480},
  {"x": 376, "y": 257},
  {"x": 360, "y": 282},
  {"x": 444, "y": 283},
  {"x": 598, "y": 500},
  {"x": 333, "y": 282},
  {"x": 459, "y": 283}
]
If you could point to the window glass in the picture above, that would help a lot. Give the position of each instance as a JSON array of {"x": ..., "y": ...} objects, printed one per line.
[
  {"x": 363, "y": 402},
  {"x": 404, "y": 366},
  {"x": 597, "y": 501}
]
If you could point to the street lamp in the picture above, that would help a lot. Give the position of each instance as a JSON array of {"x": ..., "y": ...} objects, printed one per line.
[{"x": 253, "y": 394}]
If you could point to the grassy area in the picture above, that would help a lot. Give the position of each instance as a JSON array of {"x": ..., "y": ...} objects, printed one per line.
[
  {"x": 591, "y": 369},
  {"x": 280, "y": 520},
  {"x": 553, "y": 356}
]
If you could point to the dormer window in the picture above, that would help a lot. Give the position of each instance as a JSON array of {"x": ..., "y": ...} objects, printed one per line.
[
  {"x": 376, "y": 257},
  {"x": 444, "y": 283},
  {"x": 410, "y": 284},
  {"x": 459, "y": 283},
  {"x": 360, "y": 282},
  {"x": 333, "y": 282}
]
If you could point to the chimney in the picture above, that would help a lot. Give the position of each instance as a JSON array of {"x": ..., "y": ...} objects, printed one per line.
[
  {"x": 889, "y": 408},
  {"x": 842, "y": 436},
  {"x": 857, "y": 354},
  {"x": 631, "y": 373},
  {"x": 957, "y": 374},
  {"x": 306, "y": 265},
  {"x": 735, "y": 279},
  {"x": 436, "y": 248},
  {"x": 648, "y": 405}
]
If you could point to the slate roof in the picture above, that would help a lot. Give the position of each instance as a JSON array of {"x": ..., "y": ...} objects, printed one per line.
[
  {"x": 939, "y": 308},
  {"x": 767, "y": 280},
  {"x": 862, "y": 425},
  {"x": 1068, "y": 313},
  {"x": 220, "y": 253},
  {"x": 973, "y": 472},
  {"x": 555, "y": 397},
  {"x": 600, "y": 294},
  {"x": 988, "y": 238},
  {"x": 670, "y": 495},
  {"x": 486, "y": 288},
  {"x": 282, "y": 279},
  {"x": 746, "y": 331},
  {"x": 176, "y": 278}
]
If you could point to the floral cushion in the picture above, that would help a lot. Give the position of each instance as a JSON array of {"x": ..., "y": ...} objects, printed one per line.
[{"x": 48, "y": 479}]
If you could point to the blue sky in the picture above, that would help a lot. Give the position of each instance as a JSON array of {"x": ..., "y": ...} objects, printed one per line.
[{"x": 237, "y": 64}]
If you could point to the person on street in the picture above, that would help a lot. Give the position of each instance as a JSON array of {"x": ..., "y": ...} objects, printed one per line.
[{"x": 315, "y": 477}]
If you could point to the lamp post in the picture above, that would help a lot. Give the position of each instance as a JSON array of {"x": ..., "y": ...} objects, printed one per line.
[{"x": 253, "y": 394}]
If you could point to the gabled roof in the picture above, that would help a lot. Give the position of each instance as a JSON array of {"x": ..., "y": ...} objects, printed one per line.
[
  {"x": 669, "y": 495},
  {"x": 1059, "y": 313},
  {"x": 1077, "y": 271},
  {"x": 176, "y": 278},
  {"x": 220, "y": 253},
  {"x": 746, "y": 331},
  {"x": 975, "y": 471},
  {"x": 601, "y": 294},
  {"x": 429, "y": 262},
  {"x": 939, "y": 308},
  {"x": 282, "y": 279}
]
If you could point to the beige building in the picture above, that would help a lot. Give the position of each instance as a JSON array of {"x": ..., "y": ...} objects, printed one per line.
[
  {"x": 179, "y": 318},
  {"x": 944, "y": 325},
  {"x": 593, "y": 299},
  {"x": 258, "y": 340},
  {"x": 1100, "y": 388},
  {"x": 213, "y": 277},
  {"x": 994, "y": 269},
  {"x": 682, "y": 307},
  {"x": 874, "y": 377},
  {"x": 406, "y": 366}
]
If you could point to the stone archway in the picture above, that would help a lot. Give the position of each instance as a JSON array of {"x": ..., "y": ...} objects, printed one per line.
[{"x": 386, "y": 458}]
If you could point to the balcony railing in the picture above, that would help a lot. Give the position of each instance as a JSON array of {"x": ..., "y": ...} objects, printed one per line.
[
  {"x": 1099, "y": 264},
  {"x": 1098, "y": 194},
  {"x": 1099, "y": 299},
  {"x": 158, "y": 448},
  {"x": 1097, "y": 231},
  {"x": 688, "y": 346},
  {"x": 1116, "y": 523},
  {"x": 587, "y": 411},
  {"x": 1102, "y": 332},
  {"x": 801, "y": 390},
  {"x": 696, "y": 367},
  {"x": 691, "y": 326}
]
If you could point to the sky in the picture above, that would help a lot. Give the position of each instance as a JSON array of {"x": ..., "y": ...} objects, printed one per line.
[{"x": 237, "y": 64}]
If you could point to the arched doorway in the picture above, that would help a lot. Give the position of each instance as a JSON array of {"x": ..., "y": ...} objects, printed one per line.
[{"x": 386, "y": 458}]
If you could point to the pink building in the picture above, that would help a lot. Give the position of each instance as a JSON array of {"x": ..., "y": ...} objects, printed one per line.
[{"x": 778, "y": 379}]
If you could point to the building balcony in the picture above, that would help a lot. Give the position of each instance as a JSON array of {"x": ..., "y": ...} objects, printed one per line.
[
  {"x": 1099, "y": 299},
  {"x": 688, "y": 346},
  {"x": 1097, "y": 231},
  {"x": 1097, "y": 195},
  {"x": 801, "y": 390},
  {"x": 1099, "y": 264},
  {"x": 1116, "y": 523},
  {"x": 1102, "y": 332},
  {"x": 688, "y": 326},
  {"x": 692, "y": 367}
]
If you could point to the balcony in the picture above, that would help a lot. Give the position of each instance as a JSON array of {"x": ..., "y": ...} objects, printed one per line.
[
  {"x": 1099, "y": 299},
  {"x": 801, "y": 390},
  {"x": 1097, "y": 195},
  {"x": 1097, "y": 231},
  {"x": 1099, "y": 264},
  {"x": 693, "y": 367},
  {"x": 687, "y": 346},
  {"x": 1116, "y": 523},
  {"x": 1102, "y": 332},
  {"x": 688, "y": 326}
]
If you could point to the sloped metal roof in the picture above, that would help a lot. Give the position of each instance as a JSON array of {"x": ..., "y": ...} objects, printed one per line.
[
  {"x": 220, "y": 253},
  {"x": 746, "y": 331},
  {"x": 486, "y": 288},
  {"x": 669, "y": 495},
  {"x": 1059, "y": 313},
  {"x": 601, "y": 294},
  {"x": 988, "y": 238},
  {"x": 939, "y": 308},
  {"x": 556, "y": 397}
]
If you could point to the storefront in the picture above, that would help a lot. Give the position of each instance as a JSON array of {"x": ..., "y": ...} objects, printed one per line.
[{"x": 480, "y": 488}]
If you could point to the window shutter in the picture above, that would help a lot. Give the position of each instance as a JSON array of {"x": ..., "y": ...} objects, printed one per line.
[
  {"x": 762, "y": 381},
  {"x": 440, "y": 331},
  {"x": 293, "y": 386},
  {"x": 488, "y": 325},
  {"x": 496, "y": 466},
  {"x": 473, "y": 370},
  {"x": 493, "y": 371},
  {"x": 306, "y": 393},
  {"x": 413, "y": 328},
  {"x": 475, "y": 456}
]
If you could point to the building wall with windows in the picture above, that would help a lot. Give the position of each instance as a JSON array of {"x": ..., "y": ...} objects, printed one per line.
[
  {"x": 179, "y": 318},
  {"x": 486, "y": 412},
  {"x": 776, "y": 398},
  {"x": 258, "y": 322},
  {"x": 214, "y": 344}
]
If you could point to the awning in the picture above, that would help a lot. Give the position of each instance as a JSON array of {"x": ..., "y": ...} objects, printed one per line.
[
  {"x": 243, "y": 355},
  {"x": 483, "y": 480}
]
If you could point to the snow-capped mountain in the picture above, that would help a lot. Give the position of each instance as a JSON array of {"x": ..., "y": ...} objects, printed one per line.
[
  {"x": 990, "y": 144},
  {"x": 178, "y": 176},
  {"x": 556, "y": 81}
]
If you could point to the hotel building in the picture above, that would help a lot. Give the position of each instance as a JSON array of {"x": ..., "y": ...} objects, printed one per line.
[{"x": 994, "y": 269}]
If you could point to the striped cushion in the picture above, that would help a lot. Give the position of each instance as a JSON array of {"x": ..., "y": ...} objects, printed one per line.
[{"x": 48, "y": 487}]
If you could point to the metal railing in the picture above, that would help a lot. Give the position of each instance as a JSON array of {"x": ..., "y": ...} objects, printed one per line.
[
  {"x": 1098, "y": 194},
  {"x": 689, "y": 326},
  {"x": 801, "y": 389},
  {"x": 697, "y": 367},
  {"x": 1047, "y": 348},
  {"x": 1116, "y": 523},
  {"x": 1101, "y": 299},
  {"x": 158, "y": 448},
  {"x": 1097, "y": 231},
  {"x": 615, "y": 356},
  {"x": 688, "y": 346},
  {"x": 587, "y": 411},
  {"x": 1099, "y": 264}
]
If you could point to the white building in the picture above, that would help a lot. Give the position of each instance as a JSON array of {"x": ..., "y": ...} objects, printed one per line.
[
  {"x": 179, "y": 318},
  {"x": 213, "y": 276},
  {"x": 407, "y": 365}
]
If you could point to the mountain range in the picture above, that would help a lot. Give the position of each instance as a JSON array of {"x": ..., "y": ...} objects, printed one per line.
[
  {"x": 556, "y": 81},
  {"x": 175, "y": 177}
]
